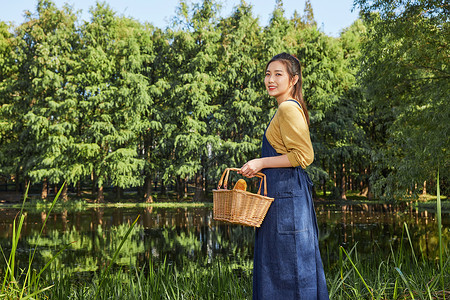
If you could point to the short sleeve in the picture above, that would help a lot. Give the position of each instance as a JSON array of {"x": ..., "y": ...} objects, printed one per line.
[{"x": 295, "y": 134}]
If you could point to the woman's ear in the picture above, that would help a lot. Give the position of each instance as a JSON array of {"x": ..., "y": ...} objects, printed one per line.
[{"x": 295, "y": 80}]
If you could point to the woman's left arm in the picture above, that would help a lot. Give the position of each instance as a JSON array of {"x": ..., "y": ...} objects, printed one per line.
[
  {"x": 255, "y": 165},
  {"x": 295, "y": 134}
]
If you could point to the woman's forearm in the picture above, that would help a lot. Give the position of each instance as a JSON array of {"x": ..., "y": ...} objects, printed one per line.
[
  {"x": 254, "y": 166},
  {"x": 280, "y": 161}
]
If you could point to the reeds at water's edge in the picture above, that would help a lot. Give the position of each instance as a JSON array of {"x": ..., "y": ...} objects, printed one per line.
[
  {"x": 24, "y": 284},
  {"x": 405, "y": 274},
  {"x": 439, "y": 221},
  {"x": 400, "y": 276}
]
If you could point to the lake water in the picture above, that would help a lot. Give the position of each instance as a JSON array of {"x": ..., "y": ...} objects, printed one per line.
[{"x": 174, "y": 234}]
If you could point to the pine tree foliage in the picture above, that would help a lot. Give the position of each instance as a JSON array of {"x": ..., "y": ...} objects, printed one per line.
[
  {"x": 111, "y": 102},
  {"x": 240, "y": 118},
  {"x": 9, "y": 139},
  {"x": 406, "y": 60},
  {"x": 308, "y": 15},
  {"x": 194, "y": 85},
  {"x": 42, "y": 98},
  {"x": 115, "y": 93}
]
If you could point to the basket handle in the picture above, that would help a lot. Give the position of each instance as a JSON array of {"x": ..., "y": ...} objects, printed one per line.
[
  {"x": 259, "y": 175},
  {"x": 227, "y": 172}
]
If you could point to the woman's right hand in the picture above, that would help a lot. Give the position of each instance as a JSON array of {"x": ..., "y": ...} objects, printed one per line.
[{"x": 250, "y": 168}]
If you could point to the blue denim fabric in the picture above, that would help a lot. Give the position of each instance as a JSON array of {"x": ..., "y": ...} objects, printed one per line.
[{"x": 287, "y": 262}]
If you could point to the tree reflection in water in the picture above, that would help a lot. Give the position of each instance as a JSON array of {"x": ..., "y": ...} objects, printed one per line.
[{"x": 191, "y": 233}]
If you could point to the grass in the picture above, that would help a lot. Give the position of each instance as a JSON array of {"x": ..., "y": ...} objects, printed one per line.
[
  {"x": 191, "y": 280},
  {"x": 404, "y": 274},
  {"x": 401, "y": 275},
  {"x": 155, "y": 281},
  {"x": 24, "y": 283}
]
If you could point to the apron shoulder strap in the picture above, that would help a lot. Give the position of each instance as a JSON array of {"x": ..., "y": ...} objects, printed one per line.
[{"x": 297, "y": 103}]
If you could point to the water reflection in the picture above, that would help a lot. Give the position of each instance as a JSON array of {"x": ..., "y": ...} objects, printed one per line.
[
  {"x": 377, "y": 228},
  {"x": 177, "y": 234}
]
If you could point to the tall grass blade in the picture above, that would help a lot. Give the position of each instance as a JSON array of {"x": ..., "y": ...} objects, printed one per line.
[
  {"x": 31, "y": 280},
  {"x": 439, "y": 220},
  {"x": 429, "y": 293},
  {"x": 104, "y": 275},
  {"x": 53, "y": 258},
  {"x": 357, "y": 271},
  {"x": 410, "y": 243},
  {"x": 25, "y": 196},
  {"x": 406, "y": 282},
  {"x": 10, "y": 271},
  {"x": 27, "y": 276},
  {"x": 395, "y": 289},
  {"x": 341, "y": 263},
  {"x": 36, "y": 293},
  {"x": 400, "y": 252}
]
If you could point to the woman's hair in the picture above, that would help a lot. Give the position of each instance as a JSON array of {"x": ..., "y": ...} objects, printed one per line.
[{"x": 293, "y": 67}]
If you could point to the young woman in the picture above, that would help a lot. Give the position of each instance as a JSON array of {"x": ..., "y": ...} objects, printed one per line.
[{"x": 287, "y": 263}]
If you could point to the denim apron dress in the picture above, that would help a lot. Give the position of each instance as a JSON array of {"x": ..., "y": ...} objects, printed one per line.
[{"x": 287, "y": 263}]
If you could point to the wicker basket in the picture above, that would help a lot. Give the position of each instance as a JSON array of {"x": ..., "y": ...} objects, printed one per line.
[{"x": 238, "y": 206}]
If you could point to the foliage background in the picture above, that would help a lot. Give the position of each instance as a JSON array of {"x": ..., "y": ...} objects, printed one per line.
[{"x": 115, "y": 103}]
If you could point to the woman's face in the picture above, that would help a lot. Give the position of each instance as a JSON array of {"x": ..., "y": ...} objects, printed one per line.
[{"x": 277, "y": 81}]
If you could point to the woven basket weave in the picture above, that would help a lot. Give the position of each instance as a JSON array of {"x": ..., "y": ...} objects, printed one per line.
[{"x": 238, "y": 206}]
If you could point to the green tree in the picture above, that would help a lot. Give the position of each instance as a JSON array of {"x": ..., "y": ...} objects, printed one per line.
[
  {"x": 405, "y": 73},
  {"x": 344, "y": 150},
  {"x": 308, "y": 15},
  {"x": 193, "y": 78},
  {"x": 8, "y": 137},
  {"x": 114, "y": 94},
  {"x": 154, "y": 47},
  {"x": 43, "y": 96},
  {"x": 325, "y": 79},
  {"x": 240, "y": 118}
]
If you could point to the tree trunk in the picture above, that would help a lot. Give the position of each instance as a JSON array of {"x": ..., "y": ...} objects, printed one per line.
[
  {"x": 314, "y": 194},
  {"x": 350, "y": 181},
  {"x": 100, "y": 196},
  {"x": 119, "y": 193},
  {"x": 205, "y": 181},
  {"x": 361, "y": 182},
  {"x": 324, "y": 183},
  {"x": 424, "y": 191},
  {"x": 163, "y": 187},
  {"x": 179, "y": 188},
  {"x": 199, "y": 191},
  {"x": 94, "y": 183},
  {"x": 44, "y": 192},
  {"x": 79, "y": 188},
  {"x": 148, "y": 190},
  {"x": 64, "y": 195},
  {"x": 342, "y": 181},
  {"x": 369, "y": 189}
]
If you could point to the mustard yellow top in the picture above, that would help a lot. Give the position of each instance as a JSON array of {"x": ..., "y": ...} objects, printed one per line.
[{"x": 288, "y": 133}]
